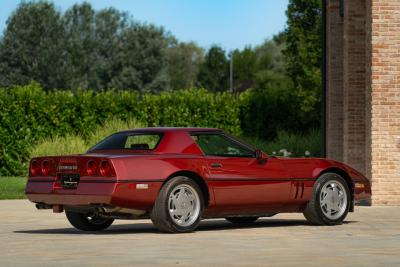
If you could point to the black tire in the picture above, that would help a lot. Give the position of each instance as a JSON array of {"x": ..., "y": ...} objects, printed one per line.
[
  {"x": 160, "y": 215},
  {"x": 85, "y": 223},
  {"x": 313, "y": 211},
  {"x": 241, "y": 220}
]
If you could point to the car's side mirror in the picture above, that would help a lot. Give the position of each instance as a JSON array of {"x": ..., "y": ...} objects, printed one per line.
[{"x": 260, "y": 156}]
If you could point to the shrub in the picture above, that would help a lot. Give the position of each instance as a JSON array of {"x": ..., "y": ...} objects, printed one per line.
[
  {"x": 289, "y": 144},
  {"x": 59, "y": 145},
  {"x": 266, "y": 112},
  {"x": 76, "y": 144},
  {"x": 111, "y": 126},
  {"x": 28, "y": 115}
]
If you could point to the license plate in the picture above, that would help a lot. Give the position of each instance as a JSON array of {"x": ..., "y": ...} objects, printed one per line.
[{"x": 69, "y": 180}]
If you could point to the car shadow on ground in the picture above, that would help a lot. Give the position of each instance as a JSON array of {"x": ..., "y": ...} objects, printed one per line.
[{"x": 206, "y": 225}]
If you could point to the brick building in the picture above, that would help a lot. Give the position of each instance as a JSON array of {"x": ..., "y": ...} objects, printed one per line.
[{"x": 362, "y": 91}]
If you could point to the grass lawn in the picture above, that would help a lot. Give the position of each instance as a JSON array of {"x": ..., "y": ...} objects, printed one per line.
[{"x": 12, "y": 187}]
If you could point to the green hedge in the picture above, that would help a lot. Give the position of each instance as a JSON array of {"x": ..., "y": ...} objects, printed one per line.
[
  {"x": 28, "y": 114},
  {"x": 265, "y": 113}
]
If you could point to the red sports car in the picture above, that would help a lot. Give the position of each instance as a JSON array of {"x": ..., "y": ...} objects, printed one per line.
[{"x": 178, "y": 176}]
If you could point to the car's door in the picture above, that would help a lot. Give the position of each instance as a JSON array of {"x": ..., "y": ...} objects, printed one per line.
[{"x": 240, "y": 182}]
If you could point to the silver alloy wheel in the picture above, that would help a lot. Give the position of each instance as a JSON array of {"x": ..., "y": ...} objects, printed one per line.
[
  {"x": 333, "y": 199},
  {"x": 184, "y": 205}
]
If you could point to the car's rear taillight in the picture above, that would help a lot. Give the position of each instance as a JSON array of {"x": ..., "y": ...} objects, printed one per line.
[
  {"x": 106, "y": 169},
  {"x": 91, "y": 167},
  {"x": 46, "y": 167},
  {"x": 35, "y": 168}
]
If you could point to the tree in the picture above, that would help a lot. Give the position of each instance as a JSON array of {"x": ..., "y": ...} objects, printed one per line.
[
  {"x": 272, "y": 104},
  {"x": 107, "y": 49},
  {"x": 269, "y": 55},
  {"x": 31, "y": 48},
  {"x": 270, "y": 70},
  {"x": 214, "y": 71},
  {"x": 109, "y": 24},
  {"x": 244, "y": 68},
  {"x": 142, "y": 61},
  {"x": 184, "y": 60},
  {"x": 303, "y": 53},
  {"x": 81, "y": 47}
]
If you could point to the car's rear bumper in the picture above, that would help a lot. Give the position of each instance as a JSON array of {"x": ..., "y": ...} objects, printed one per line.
[
  {"x": 72, "y": 200},
  {"x": 116, "y": 193}
]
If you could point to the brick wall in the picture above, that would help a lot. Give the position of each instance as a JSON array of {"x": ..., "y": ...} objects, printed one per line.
[
  {"x": 334, "y": 85},
  {"x": 363, "y": 91},
  {"x": 346, "y": 85},
  {"x": 354, "y": 68},
  {"x": 385, "y": 101}
]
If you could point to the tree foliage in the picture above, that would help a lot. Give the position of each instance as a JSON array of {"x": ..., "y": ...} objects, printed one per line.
[
  {"x": 82, "y": 48},
  {"x": 271, "y": 105},
  {"x": 142, "y": 63},
  {"x": 214, "y": 71},
  {"x": 31, "y": 47},
  {"x": 29, "y": 114},
  {"x": 303, "y": 53},
  {"x": 184, "y": 60},
  {"x": 244, "y": 68}
]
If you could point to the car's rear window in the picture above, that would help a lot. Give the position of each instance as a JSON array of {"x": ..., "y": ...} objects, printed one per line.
[{"x": 129, "y": 141}]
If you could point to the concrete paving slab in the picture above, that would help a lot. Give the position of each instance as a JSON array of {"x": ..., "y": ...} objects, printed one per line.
[{"x": 369, "y": 237}]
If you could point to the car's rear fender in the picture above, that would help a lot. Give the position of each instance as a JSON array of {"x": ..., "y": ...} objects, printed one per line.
[
  {"x": 152, "y": 171},
  {"x": 207, "y": 193}
]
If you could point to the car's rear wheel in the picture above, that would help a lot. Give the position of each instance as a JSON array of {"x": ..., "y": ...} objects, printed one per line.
[
  {"x": 179, "y": 206},
  {"x": 330, "y": 201},
  {"x": 241, "y": 220},
  {"x": 88, "y": 222}
]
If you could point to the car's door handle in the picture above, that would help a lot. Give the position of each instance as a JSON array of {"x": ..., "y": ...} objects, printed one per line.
[{"x": 216, "y": 165}]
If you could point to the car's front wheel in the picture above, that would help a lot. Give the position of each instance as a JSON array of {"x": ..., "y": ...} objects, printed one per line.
[
  {"x": 179, "y": 206},
  {"x": 330, "y": 200},
  {"x": 86, "y": 222}
]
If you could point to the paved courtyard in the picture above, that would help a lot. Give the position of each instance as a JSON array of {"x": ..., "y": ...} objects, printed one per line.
[{"x": 370, "y": 237}]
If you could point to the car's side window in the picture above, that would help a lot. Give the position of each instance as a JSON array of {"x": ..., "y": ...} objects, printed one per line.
[{"x": 220, "y": 145}]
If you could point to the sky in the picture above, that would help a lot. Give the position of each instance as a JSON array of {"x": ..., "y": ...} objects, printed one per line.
[{"x": 232, "y": 24}]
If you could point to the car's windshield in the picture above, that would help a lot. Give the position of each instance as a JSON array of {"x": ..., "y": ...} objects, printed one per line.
[{"x": 129, "y": 141}]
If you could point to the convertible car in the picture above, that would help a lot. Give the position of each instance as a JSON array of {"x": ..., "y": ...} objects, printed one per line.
[{"x": 179, "y": 176}]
